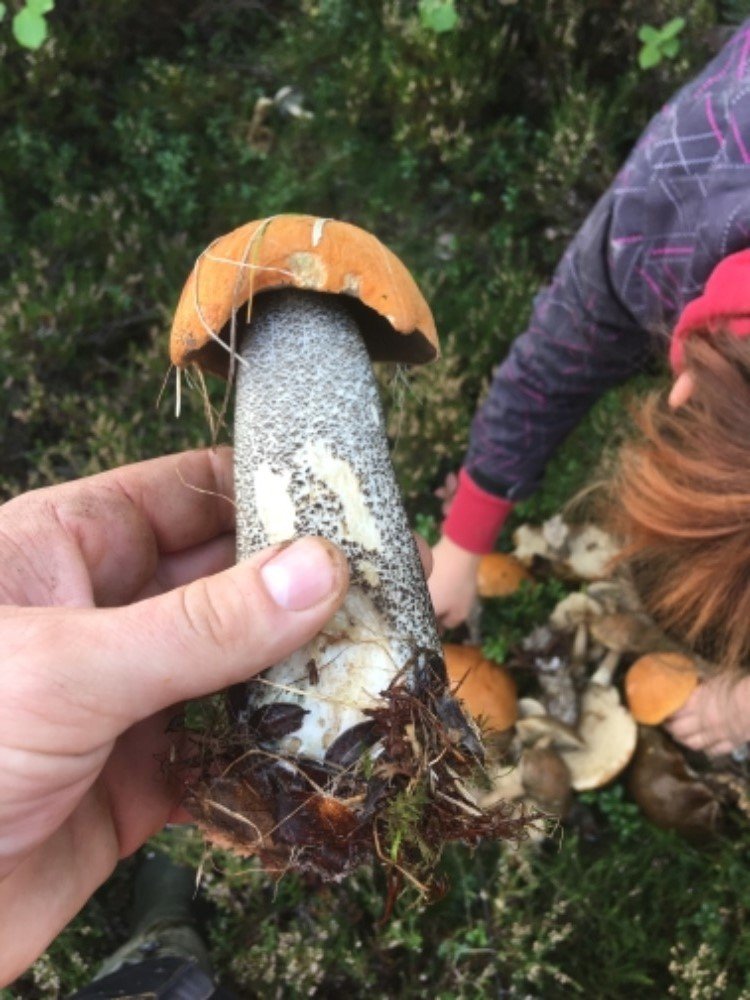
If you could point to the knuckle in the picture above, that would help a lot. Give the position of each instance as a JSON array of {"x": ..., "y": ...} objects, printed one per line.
[{"x": 215, "y": 612}]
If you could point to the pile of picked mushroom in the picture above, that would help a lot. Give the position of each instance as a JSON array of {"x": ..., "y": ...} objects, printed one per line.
[{"x": 598, "y": 679}]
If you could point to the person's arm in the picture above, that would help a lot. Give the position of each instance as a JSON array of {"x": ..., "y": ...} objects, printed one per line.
[
  {"x": 580, "y": 341},
  {"x": 119, "y": 600}
]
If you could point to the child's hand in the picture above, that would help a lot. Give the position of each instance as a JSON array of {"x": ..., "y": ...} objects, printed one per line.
[
  {"x": 453, "y": 583},
  {"x": 715, "y": 718}
]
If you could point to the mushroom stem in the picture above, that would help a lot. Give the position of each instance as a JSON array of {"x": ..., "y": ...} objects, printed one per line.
[{"x": 311, "y": 457}]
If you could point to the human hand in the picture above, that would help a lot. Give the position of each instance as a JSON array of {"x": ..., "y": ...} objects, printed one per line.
[
  {"x": 446, "y": 492},
  {"x": 453, "y": 583},
  {"x": 681, "y": 391},
  {"x": 715, "y": 718},
  {"x": 118, "y": 604}
]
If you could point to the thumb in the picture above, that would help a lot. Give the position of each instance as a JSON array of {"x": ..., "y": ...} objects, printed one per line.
[
  {"x": 203, "y": 637},
  {"x": 226, "y": 628}
]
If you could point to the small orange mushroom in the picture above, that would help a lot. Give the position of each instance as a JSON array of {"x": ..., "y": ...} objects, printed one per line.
[
  {"x": 658, "y": 684},
  {"x": 486, "y": 688},
  {"x": 499, "y": 575}
]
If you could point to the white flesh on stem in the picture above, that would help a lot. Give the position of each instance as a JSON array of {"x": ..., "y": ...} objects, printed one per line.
[{"x": 311, "y": 458}]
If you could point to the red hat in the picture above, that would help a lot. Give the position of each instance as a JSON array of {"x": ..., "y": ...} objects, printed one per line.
[{"x": 724, "y": 305}]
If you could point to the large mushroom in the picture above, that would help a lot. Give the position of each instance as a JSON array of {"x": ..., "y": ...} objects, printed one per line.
[
  {"x": 609, "y": 737},
  {"x": 323, "y": 743}
]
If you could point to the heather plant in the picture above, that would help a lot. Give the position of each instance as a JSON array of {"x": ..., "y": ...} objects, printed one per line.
[{"x": 624, "y": 909}]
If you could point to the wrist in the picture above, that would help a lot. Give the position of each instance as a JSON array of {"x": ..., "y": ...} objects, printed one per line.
[
  {"x": 459, "y": 557},
  {"x": 475, "y": 517},
  {"x": 457, "y": 552}
]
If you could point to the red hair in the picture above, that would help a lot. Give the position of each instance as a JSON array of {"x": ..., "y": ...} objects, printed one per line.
[{"x": 680, "y": 498}]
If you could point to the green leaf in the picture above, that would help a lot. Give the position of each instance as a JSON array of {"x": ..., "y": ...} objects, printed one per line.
[
  {"x": 439, "y": 16},
  {"x": 3, "y": 10},
  {"x": 648, "y": 34},
  {"x": 649, "y": 56},
  {"x": 29, "y": 28},
  {"x": 673, "y": 27},
  {"x": 670, "y": 48}
]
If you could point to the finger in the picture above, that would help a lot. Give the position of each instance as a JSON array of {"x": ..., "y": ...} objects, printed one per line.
[
  {"x": 425, "y": 554},
  {"x": 104, "y": 534},
  {"x": 450, "y": 620},
  {"x": 682, "y": 727},
  {"x": 709, "y": 740},
  {"x": 694, "y": 741},
  {"x": 99, "y": 671},
  {"x": 143, "y": 779},
  {"x": 681, "y": 391},
  {"x": 184, "y": 567},
  {"x": 187, "y": 498}
]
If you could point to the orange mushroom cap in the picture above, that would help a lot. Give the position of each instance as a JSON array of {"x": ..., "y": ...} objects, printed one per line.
[
  {"x": 658, "y": 684},
  {"x": 499, "y": 575},
  {"x": 301, "y": 251},
  {"x": 487, "y": 689}
]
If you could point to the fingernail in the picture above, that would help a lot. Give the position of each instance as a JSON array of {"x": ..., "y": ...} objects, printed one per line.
[{"x": 301, "y": 575}]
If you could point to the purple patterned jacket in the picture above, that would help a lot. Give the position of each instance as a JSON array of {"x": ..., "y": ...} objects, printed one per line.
[{"x": 680, "y": 203}]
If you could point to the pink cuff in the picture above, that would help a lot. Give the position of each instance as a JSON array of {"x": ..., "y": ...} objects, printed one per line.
[{"x": 475, "y": 516}]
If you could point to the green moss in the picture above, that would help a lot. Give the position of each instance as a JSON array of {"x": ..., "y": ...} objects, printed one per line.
[
  {"x": 507, "y": 620},
  {"x": 402, "y": 822}
]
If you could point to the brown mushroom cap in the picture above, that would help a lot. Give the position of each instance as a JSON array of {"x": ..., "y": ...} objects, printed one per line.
[
  {"x": 301, "y": 251},
  {"x": 546, "y": 779},
  {"x": 669, "y": 793},
  {"x": 499, "y": 575},
  {"x": 658, "y": 684},
  {"x": 486, "y": 688}
]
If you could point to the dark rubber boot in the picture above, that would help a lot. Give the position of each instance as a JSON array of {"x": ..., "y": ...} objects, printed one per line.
[{"x": 165, "y": 957}]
